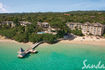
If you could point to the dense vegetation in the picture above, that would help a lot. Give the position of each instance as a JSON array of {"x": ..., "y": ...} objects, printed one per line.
[
  {"x": 56, "y": 20},
  {"x": 77, "y": 32},
  {"x": 53, "y": 18},
  {"x": 25, "y": 34}
]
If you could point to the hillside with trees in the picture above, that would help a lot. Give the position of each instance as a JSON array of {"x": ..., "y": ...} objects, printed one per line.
[{"x": 56, "y": 20}]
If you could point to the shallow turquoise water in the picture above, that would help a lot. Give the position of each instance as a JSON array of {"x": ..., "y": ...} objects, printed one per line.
[{"x": 53, "y": 57}]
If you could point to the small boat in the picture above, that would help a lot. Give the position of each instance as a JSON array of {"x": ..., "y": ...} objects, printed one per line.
[
  {"x": 20, "y": 51},
  {"x": 21, "y": 55}
]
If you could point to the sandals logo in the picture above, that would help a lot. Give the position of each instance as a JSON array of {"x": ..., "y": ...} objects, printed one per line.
[{"x": 92, "y": 66}]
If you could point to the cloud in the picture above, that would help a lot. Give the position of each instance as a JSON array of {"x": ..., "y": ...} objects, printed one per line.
[{"x": 2, "y": 9}]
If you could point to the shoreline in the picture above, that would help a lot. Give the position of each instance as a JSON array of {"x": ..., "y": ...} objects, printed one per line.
[
  {"x": 3, "y": 39},
  {"x": 96, "y": 43},
  {"x": 87, "y": 41},
  {"x": 77, "y": 40},
  {"x": 13, "y": 41}
]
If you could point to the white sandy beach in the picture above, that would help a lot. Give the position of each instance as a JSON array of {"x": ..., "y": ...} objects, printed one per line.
[
  {"x": 3, "y": 39},
  {"x": 87, "y": 40},
  {"x": 78, "y": 40}
]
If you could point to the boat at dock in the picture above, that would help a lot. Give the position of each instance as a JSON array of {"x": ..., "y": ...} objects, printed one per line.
[{"x": 22, "y": 53}]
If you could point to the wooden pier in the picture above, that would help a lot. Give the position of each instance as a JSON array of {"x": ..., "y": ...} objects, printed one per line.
[{"x": 22, "y": 53}]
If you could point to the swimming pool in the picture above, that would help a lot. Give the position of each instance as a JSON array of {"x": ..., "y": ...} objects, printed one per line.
[{"x": 40, "y": 32}]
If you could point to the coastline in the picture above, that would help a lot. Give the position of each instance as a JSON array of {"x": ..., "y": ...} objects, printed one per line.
[
  {"x": 87, "y": 41},
  {"x": 3, "y": 39},
  {"x": 77, "y": 40}
]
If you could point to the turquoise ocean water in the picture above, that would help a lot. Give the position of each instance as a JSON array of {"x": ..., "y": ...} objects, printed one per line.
[{"x": 52, "y": 57}]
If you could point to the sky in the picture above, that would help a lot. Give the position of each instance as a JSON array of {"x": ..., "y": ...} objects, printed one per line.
[{"x": 20, "y": 6}]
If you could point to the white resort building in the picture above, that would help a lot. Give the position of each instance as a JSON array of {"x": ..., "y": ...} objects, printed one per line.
[
  {"x": 74, "y": 26},
  {"x": 88, "y": 28},
  {"x": 46, "y": 28},
  {"x": 8, "y": 23},
  {"x": 12, "y": 24},
  {"x": 43, "y": 24},
  {"x": 93, "y": 29},
  {"x": 24, "y": 23}
]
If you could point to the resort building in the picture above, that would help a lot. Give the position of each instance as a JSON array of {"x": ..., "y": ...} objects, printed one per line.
[
  {"x": 87, "y": 28},
  {"x": 74, "y": 26},
  {"x": 24, "y": 23},
  {"x": 8, "y": 23},
  {"x": 43, "y": 24},
  {"x": 93, "y": 29},
  {"x": 46, "y": 28}
]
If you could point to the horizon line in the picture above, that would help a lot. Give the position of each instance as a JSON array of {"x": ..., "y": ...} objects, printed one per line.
[{"x": 57, "y": 11}]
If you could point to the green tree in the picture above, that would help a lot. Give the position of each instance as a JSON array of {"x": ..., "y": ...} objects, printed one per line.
[
  {"x": 22, "y": 37},
  {"x": 49, "y": 38},
  {"x": 77, "y": 32},
  {"x": 16, "y": 21},
  {"x": 35, "y": 38}
]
